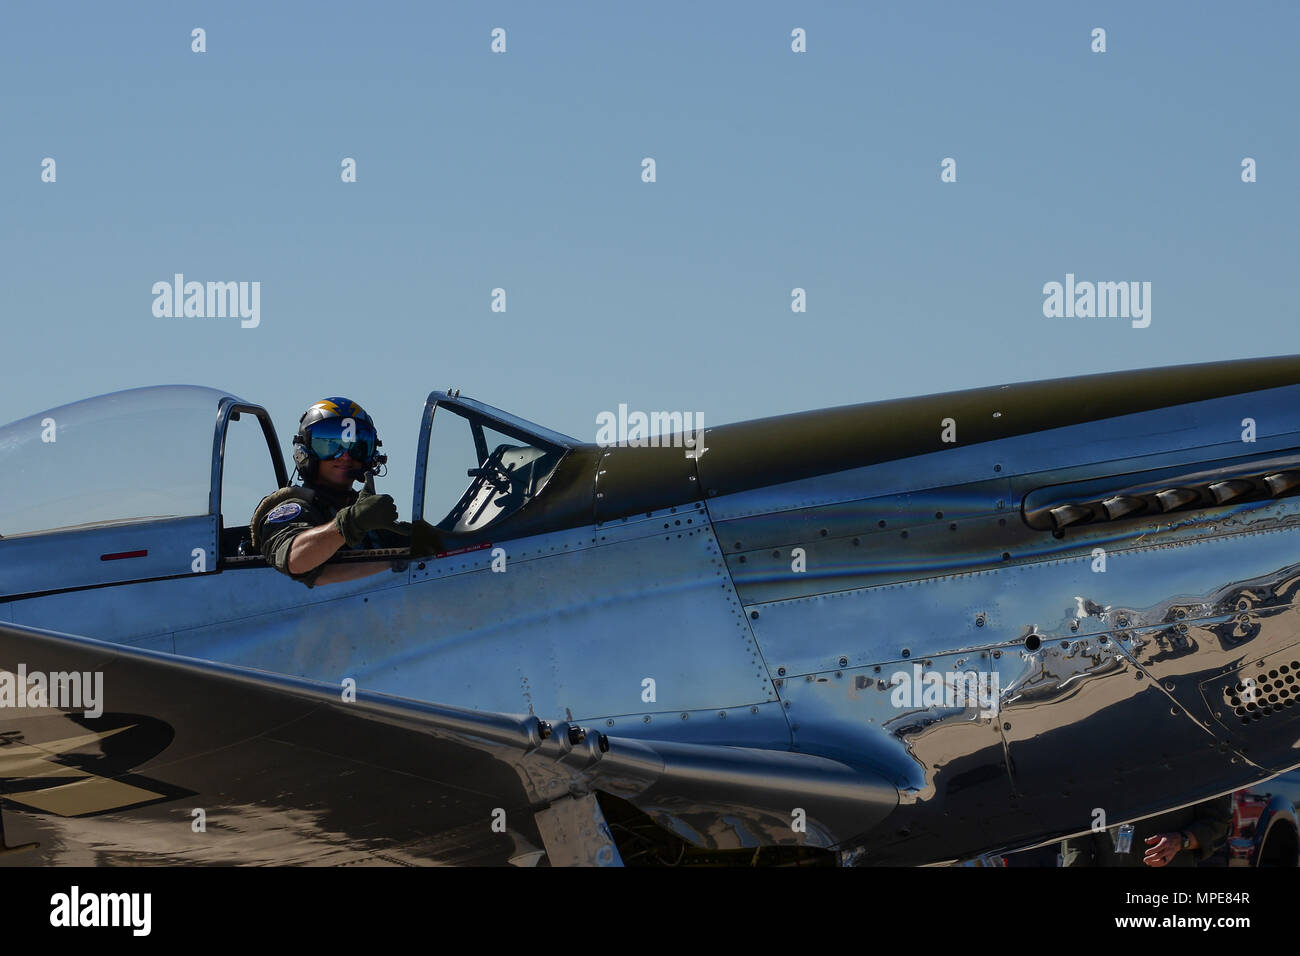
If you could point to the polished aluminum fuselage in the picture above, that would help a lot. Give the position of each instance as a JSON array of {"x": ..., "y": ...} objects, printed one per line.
[{"x": 777, "y": 617}]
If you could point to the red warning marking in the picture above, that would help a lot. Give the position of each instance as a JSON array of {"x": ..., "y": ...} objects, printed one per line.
[{"x": 477, "y": 547}]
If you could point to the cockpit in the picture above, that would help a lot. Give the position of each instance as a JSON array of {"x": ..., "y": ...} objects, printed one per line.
[{"x": 88, "y": 508}]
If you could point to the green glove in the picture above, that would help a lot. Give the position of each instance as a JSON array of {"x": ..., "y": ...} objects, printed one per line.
[
  {"x": 425, "y": 540},
  {"x": 368, "y": 513}
]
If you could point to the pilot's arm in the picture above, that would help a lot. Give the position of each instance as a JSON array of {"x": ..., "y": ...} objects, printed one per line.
[
  {"x": 278, "y": 530},
  {"x": 310, "y": 549},
  {"x": 297, "y": 539}
]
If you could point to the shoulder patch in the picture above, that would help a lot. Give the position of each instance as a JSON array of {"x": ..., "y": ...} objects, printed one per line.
[{"x": 285, "y": 512}]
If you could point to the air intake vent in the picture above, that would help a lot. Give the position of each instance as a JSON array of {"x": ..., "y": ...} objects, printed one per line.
[{"x": 1257, "y": 693}]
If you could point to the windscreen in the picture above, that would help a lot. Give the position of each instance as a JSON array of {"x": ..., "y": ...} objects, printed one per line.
[{"x": 476, "y": 475}]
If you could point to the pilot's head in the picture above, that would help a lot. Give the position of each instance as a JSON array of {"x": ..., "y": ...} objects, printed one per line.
[{"x": 336, "y": 444}]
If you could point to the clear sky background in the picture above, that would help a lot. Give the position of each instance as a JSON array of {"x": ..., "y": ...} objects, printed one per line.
[{"x": 522, "y": 170}]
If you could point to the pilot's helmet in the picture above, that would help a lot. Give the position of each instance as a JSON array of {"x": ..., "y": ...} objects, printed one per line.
[{"x": 330, "y": 427}]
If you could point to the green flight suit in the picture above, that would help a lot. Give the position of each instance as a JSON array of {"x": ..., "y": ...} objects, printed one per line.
[{"x": 297, "y": 513}]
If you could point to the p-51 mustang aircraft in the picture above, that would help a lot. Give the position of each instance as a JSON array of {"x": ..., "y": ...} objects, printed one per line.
[{"x": 903, "y": 632}]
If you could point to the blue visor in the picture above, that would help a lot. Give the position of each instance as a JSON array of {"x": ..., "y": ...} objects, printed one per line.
[{"x": 331, "y": 437}]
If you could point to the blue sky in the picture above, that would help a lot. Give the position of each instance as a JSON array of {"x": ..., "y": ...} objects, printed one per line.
[{"x": 522, "y": 170}]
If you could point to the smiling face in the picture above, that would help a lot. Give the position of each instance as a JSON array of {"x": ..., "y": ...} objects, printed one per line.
[{"x": 337, "y": 473}]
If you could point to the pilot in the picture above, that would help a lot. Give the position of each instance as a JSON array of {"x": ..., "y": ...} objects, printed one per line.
[
  {"x": 1177, "y": 838},
  {"x": 299, "y": 528}
]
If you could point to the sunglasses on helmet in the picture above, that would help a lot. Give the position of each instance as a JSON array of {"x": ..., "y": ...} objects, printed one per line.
[{"x": 333, "y": 436}]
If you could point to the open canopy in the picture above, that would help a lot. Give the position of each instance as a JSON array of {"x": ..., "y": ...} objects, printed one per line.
[{"x": 139, "y": 454}]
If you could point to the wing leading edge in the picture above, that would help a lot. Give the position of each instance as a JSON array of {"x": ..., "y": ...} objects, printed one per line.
[{"x": 199, "y": 762}]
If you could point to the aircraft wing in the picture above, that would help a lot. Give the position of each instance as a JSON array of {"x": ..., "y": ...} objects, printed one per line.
[{"x": 194, "y": 761}]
